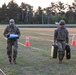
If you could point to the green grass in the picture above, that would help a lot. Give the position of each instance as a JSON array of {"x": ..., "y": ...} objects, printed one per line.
[{"x": 36, "y": 61}]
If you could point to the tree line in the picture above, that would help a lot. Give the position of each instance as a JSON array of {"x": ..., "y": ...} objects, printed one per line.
[{"x": 49, "y": 15}]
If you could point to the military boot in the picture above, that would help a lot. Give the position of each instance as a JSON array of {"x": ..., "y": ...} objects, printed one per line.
[
  {"x": 14, "y": 61},
  {"x": 60, "y": 57},
  {"x": 59, "y": 60},
  {"x": 10, "y": 61}
]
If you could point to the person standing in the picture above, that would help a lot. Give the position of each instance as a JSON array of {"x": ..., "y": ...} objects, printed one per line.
[
  {"x": 12, "y": 42},
  {"x": 61, "y": 37}
]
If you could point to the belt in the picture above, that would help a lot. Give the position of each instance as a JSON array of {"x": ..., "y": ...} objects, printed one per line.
[{"x": 61, "y": 40}]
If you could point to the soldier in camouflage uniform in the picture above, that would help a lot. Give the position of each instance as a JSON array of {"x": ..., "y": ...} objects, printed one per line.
[
  {"x": 61, "y": 37},
  {"x": 12, "y": 29}
]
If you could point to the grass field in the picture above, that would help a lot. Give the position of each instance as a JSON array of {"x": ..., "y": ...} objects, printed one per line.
[{"x": 36, "y": 60}]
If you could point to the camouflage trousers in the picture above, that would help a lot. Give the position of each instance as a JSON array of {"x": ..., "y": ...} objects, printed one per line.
[
  {"x": 61, "y": 49},
  {"x": 12, "y": 46}
]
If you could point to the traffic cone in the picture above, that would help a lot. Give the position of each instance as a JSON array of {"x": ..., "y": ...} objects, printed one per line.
[
  {"x": 27, "y": 43},
  {"x": 73, "y": 41}
]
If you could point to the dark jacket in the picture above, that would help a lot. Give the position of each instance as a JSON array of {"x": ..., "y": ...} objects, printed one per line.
[{"x": 11, "y": 30}]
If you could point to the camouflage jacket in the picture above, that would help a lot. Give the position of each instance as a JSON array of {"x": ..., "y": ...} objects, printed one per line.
[
  {"x": 61, "y": 34},
  {"x": 12, "y": 30}
]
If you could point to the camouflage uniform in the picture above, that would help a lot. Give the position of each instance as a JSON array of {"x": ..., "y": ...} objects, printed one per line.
[
  {"x": 61, "y": 37},
  {"x": 12, "y": 42}
]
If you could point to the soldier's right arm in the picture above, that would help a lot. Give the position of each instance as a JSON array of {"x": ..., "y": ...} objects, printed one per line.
[
  {"x": 6, "y": 34},
  {"x": 55, "y": 36}
]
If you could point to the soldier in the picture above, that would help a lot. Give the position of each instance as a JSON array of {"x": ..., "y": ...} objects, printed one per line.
[
  {"x": 12, "y": 29},
  {"x": 61, "y": 37}
]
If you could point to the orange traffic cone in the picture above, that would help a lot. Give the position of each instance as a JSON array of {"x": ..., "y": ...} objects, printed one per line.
[
  {"x": 27, "y": 43},
  {"x": 73, "y": 41}
]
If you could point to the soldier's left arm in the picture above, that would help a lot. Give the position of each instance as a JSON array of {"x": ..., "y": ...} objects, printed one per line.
[
  {"x": 18, "y": 32},
  {"x": 67, "y": 37}
]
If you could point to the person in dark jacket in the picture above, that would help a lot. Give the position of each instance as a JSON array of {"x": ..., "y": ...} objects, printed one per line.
[
  {"x": 61, "y": 37},
  {"x": 12, "y": 42}
]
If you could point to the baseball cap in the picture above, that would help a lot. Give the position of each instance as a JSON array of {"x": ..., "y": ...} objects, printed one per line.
[
  {"x": 62, "y": 22},
  {"x": 11, "y": 21}
]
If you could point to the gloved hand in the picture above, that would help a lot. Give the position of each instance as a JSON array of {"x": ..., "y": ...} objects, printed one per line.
[
  {"x": 18, "y": 37},
  {"x": 8, "y": 35}
]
